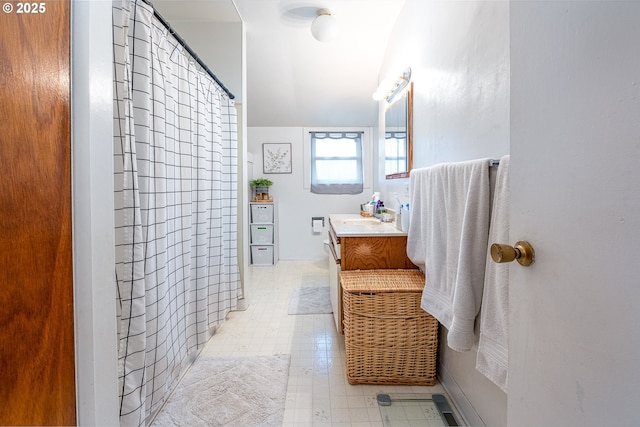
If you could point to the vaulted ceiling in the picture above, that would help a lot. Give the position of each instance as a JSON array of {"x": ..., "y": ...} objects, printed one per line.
[{"x": 292, "y": 79}]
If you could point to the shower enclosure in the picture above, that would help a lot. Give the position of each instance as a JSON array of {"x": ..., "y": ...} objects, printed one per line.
[{"x": 175, "y": 145}]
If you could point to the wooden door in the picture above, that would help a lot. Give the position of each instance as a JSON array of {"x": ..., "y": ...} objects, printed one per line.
[
  {"x": 574, "y": 348},
  {"x": 37, "y": 362}
]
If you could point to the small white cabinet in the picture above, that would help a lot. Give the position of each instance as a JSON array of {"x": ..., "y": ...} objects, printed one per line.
[{"x": 263, "y": 233}]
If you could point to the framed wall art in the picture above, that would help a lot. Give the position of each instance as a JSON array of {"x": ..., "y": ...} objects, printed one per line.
[{"x": 276, "y": 158}]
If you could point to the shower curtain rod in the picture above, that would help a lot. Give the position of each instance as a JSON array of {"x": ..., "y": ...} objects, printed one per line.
[{"x": 188, "y": 48}]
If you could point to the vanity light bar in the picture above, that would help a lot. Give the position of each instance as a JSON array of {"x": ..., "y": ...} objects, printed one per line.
[
  {"x": 399, "y": 86},
  {"x": 390, "y": 89}
]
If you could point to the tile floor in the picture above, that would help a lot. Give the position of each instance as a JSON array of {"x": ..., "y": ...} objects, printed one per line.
[{"x": 318, "y": 393}]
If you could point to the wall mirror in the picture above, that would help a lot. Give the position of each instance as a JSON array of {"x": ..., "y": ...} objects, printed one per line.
[{"x": 398, "y": 126}]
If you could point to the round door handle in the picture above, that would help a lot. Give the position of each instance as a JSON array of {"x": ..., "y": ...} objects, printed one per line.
[{"x": 521, "y": 252}]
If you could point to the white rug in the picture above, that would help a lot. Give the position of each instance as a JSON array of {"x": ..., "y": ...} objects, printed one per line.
[
  {"x": 310, "y": 301},
  {"x": 244, "y": 391}
]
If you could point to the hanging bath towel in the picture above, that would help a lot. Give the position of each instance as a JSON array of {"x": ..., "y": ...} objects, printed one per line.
[
  {"x": 448, "y": 235},
  {"x": 492, "y": 360}
]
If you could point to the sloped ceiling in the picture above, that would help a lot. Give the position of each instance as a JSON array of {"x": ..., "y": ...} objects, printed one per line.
[{"x": 292, "y": 79}]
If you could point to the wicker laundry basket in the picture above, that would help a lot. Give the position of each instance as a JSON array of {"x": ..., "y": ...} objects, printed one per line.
[{"x": 389, "y": 339}]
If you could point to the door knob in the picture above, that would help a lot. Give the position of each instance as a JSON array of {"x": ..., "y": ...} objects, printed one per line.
[{"x": 521, "y": 252}]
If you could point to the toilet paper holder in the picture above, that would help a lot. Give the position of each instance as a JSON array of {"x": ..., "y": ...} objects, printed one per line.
[{"x": 317, "y": 218}]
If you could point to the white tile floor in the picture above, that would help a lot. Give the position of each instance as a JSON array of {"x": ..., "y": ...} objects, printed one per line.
[{"x": 318, "y": 393}]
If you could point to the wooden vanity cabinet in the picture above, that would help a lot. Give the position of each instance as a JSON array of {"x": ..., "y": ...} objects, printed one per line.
[
  {"x": 386, "y": 249},
  {"x": 373, "y": 252}
]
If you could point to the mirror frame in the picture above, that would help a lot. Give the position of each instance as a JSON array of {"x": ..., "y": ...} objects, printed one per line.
[{"x": 409, "y": 124}]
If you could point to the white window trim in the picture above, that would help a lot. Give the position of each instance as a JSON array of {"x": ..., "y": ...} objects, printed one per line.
[{"x": 367, "y": 153}]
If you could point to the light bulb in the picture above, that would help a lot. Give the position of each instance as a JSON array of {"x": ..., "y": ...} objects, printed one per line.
[{"x": 324, "y": 27}]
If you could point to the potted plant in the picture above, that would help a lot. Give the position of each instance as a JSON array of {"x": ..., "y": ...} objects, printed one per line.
[{"x": 261, "y": 189}]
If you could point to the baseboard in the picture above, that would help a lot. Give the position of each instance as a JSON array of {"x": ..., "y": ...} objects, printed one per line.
[{"x": 469, "y": 415}]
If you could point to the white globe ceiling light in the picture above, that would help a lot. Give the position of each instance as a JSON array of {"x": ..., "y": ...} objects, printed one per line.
[{"x": 324, "y": 27}]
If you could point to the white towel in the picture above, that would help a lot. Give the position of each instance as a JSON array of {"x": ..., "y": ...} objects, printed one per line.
[
  {"x": 447, "y": 238},
  {"x": 492, "y": 358}
]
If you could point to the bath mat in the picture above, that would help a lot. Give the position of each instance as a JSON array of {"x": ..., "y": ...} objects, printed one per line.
[
  {"x": 216, "y": 391},
  {"x": 310, "y": 301}
]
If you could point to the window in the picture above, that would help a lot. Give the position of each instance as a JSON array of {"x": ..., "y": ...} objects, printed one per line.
[{"x": 336, "y": 163}]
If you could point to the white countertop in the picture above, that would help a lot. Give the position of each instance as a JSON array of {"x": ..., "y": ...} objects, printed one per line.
[{"x": 355, "y": 225}]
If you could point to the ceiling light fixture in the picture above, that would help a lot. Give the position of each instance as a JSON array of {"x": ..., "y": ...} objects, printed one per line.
[{"x": 324, "y": 27}]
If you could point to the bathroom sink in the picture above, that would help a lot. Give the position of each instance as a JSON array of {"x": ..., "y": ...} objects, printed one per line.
[
  {"x": 357, "y": 225},
  {"x": 363, "y": 220}
]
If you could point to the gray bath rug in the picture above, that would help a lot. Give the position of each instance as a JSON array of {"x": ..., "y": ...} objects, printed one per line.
[
  {"x": 310, "y": 301},
  {"x": 216, "y": 391}
]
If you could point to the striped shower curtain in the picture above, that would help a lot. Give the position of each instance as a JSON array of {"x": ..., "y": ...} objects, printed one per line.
[{"x": 175, "y": 144}]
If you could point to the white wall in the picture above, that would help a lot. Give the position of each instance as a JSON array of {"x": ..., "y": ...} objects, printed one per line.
[
  {"x": 459, "y": 56},
  {"x": 297, "y": 205}
]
